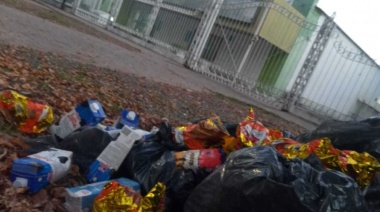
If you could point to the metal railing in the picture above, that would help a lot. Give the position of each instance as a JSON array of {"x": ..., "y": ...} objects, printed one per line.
[
  {"x": 92, "y": 17},
  {"x": 265, "y": 49}
]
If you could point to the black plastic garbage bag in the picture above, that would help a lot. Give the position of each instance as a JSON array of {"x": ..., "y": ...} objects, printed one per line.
[
  {"x": 39, "y": 144},
  {"x": 373, "y": 121},
  {"x": 86, "y": 145},
  {"x": 260, "y": 179},
  {"x": 314, "y": 162},
  {"x": 359, "y": 136},
  {"x": 372, "y": 194},
  {"x": 150, "y": 162},
  {"x": 165, "y": 137}
]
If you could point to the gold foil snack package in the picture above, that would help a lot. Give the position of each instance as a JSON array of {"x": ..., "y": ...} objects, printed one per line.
[
  {"x": 362, "y": 167},
  {"x": 251, "y": 115},
  {"x": 116, "y": 197},
  {"x": 154, "y": 201},
  {"x": 248, "y": 133},
  {"x": 275, "y": 134},
  {"x": 252, "y": 133},
  {"x": 29, "y": 116},
  {"x": 231, "y": 144},
  {"x": 208, "y": 133}
]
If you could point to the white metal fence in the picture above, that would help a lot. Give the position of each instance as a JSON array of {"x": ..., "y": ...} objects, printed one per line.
[{"x": 266, "y": 49}]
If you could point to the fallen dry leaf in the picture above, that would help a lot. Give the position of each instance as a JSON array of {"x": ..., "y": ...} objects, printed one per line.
[
  {"x": 21, "y": 190},
  {"x": 58, "y": 192},
  {"x": 39, "y": 199},
  {"x": 3, "y": 83}
]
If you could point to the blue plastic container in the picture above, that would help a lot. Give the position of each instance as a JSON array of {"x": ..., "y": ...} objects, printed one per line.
[
  {"x": 38, "y": 170},
  {"x": 128, "y": 118},
  {"x": 90, "y": 112},
  {"x": 30, "y": 172}
]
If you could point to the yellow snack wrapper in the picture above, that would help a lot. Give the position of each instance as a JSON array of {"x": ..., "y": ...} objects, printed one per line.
[
  {"x": 362, "y": 167},
  {"x": 251, "y": 115},
  {"x": 29, "y": 116},
  {"x": 252, "y": 133},
  {"x": 116, "y": 197},
  {"x": 154, "y": 200},
  {"x": 231, "y": 144},
  {"x": 208, "y": 133}
]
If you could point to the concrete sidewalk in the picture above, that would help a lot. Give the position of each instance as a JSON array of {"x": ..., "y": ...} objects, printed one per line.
[{"x": 23, "y": 29}]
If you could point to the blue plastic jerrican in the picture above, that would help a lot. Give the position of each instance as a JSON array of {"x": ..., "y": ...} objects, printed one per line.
[
  {"x": 129, "y": 118},
  {"x": 36, "y": 173},
  {"x": 38, "y": 170},
  {"x": 90, "y": 112}
]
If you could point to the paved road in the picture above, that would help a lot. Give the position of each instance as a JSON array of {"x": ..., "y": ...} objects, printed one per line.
[
  {"x": 23, "y": 29},
  {"x": 19, "y": 28}
]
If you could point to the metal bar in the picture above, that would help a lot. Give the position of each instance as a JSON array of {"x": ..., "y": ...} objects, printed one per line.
[
  {"x": 228, "y": 46},
  {"x": 203, "y": 32},
  {"x": 170, "y": 7},
  {"x": 76, "y": 5},
  {"x": 152, "y": 18},
  {"x": 311, "y": 61},
  {"x": 254, "y": 39}
]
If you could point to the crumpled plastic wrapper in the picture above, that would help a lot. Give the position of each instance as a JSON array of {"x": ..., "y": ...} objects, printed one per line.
[
  {"x": 275, "y": 134},
  {"x": 154, "y": 200},
  {"x": 205, "y": 159},
  {"x": 252, "y": 133},
  {"x": 116, "y": 197},
  {"x": 251, "y": 115},
  {"x": 29, "y": 116},
  {"x": 231, "y": 144},
  {"x": 362, "y": 167},
  {"x": 208, "y": 133}
]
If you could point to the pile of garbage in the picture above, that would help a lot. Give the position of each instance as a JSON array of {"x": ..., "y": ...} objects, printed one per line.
[{"x": 207, "y": 165}]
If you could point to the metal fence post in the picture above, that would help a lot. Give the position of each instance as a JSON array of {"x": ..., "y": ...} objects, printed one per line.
[
  {"x": 75, "y": 6},
  {"x": 113, "y": 12},
  {"x": 251, "y": 43},
  {"x": 152, "y": 18},
  {"x": 310, "y": 63},
  {"x": 203, "y": 32}
]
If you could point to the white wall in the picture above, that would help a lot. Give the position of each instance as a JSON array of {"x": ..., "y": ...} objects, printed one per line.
[
  {"x": 339, "y": 83},
  {"x": 302, "y": 60}
]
